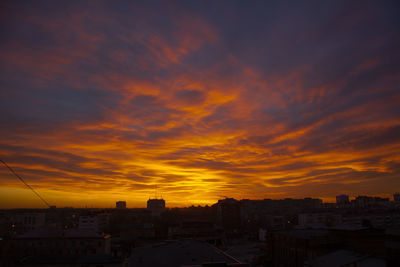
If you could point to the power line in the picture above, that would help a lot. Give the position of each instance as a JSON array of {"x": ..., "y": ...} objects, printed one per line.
[{"x": 22, "y": 180}]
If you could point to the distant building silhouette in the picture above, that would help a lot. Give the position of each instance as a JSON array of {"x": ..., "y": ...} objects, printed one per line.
[
  {"x": 156, "y": 206},
  {"x": 342, "y": 200},
  {"x": 370, "y": 202},
  {"x": 120, "y": 205},
  {"x": 396, "y": 197},
  {"x": 254, "y": 210}
]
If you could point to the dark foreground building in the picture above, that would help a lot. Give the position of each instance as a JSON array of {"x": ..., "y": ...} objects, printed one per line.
[
  {"x": 334, "y": 247},
  {"x": 181, "y": 253},
  {"x": 64, "y": 247}
]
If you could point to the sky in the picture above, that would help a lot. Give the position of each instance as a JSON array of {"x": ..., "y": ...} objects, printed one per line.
[{"x": 194, "y": 101}]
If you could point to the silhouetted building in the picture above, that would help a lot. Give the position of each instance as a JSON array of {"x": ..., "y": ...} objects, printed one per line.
[
  {"x": 396, "y": 197},
  {"x": 156, "y": 206},
  {"x": 96, "y": 223},
  {"x": 308, "y": 247},
  {"x": 253, "y": 208},
  {"x": 342, "y": 200},
  {"x": 370, "y": 202},
  {"x": 120, "y": 205},
  {"x": 228, "y": 214},
  {"x": 68, "y": 261},
  {"x": 68, "y": 242},
  {"x": 364, "y": 240},
  {"x": 314, "y": 220},
  {"x": 343, "y": 258},
  {"x": 293, "y": 248},
  {"x": 377, "y": 219},
  {"x": 275, "y": 222},
  {"x": 271, "y": 214},
  {"x": 197, "y": 229},
  {"x": 63, "y": 247},
  {"x": 181, "y": 253},
  {"x": 144, "y": 231},
  {"x": 25, "y": 222},
  {"x": 392, "y": 246}
]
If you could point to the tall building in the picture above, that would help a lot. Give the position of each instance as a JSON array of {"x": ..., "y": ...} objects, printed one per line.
[
  {"x": 396, "y": 197},
  {"x": 342, "y": 200},
  {"x": 156, "y": 206},
  {"x": 120, "y": 205},
  {"x": 228, "y": 214}
]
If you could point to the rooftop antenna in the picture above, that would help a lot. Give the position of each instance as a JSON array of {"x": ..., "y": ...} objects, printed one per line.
[{"x": 22, "y": 180}]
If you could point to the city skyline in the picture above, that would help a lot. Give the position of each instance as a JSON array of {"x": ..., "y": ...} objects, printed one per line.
[
  {"x": 145, "y": 205},
  {"x": 102, "y": 102}
]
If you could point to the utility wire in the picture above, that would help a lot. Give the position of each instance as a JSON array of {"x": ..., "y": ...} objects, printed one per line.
[{"x": 22, "y": 180}]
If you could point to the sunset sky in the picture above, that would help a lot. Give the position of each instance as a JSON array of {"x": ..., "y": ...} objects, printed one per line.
[{"x": 102, "y": 100}]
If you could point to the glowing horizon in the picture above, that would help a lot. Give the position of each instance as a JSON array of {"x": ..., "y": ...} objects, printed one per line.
[{"x": 101, "y": 102}]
